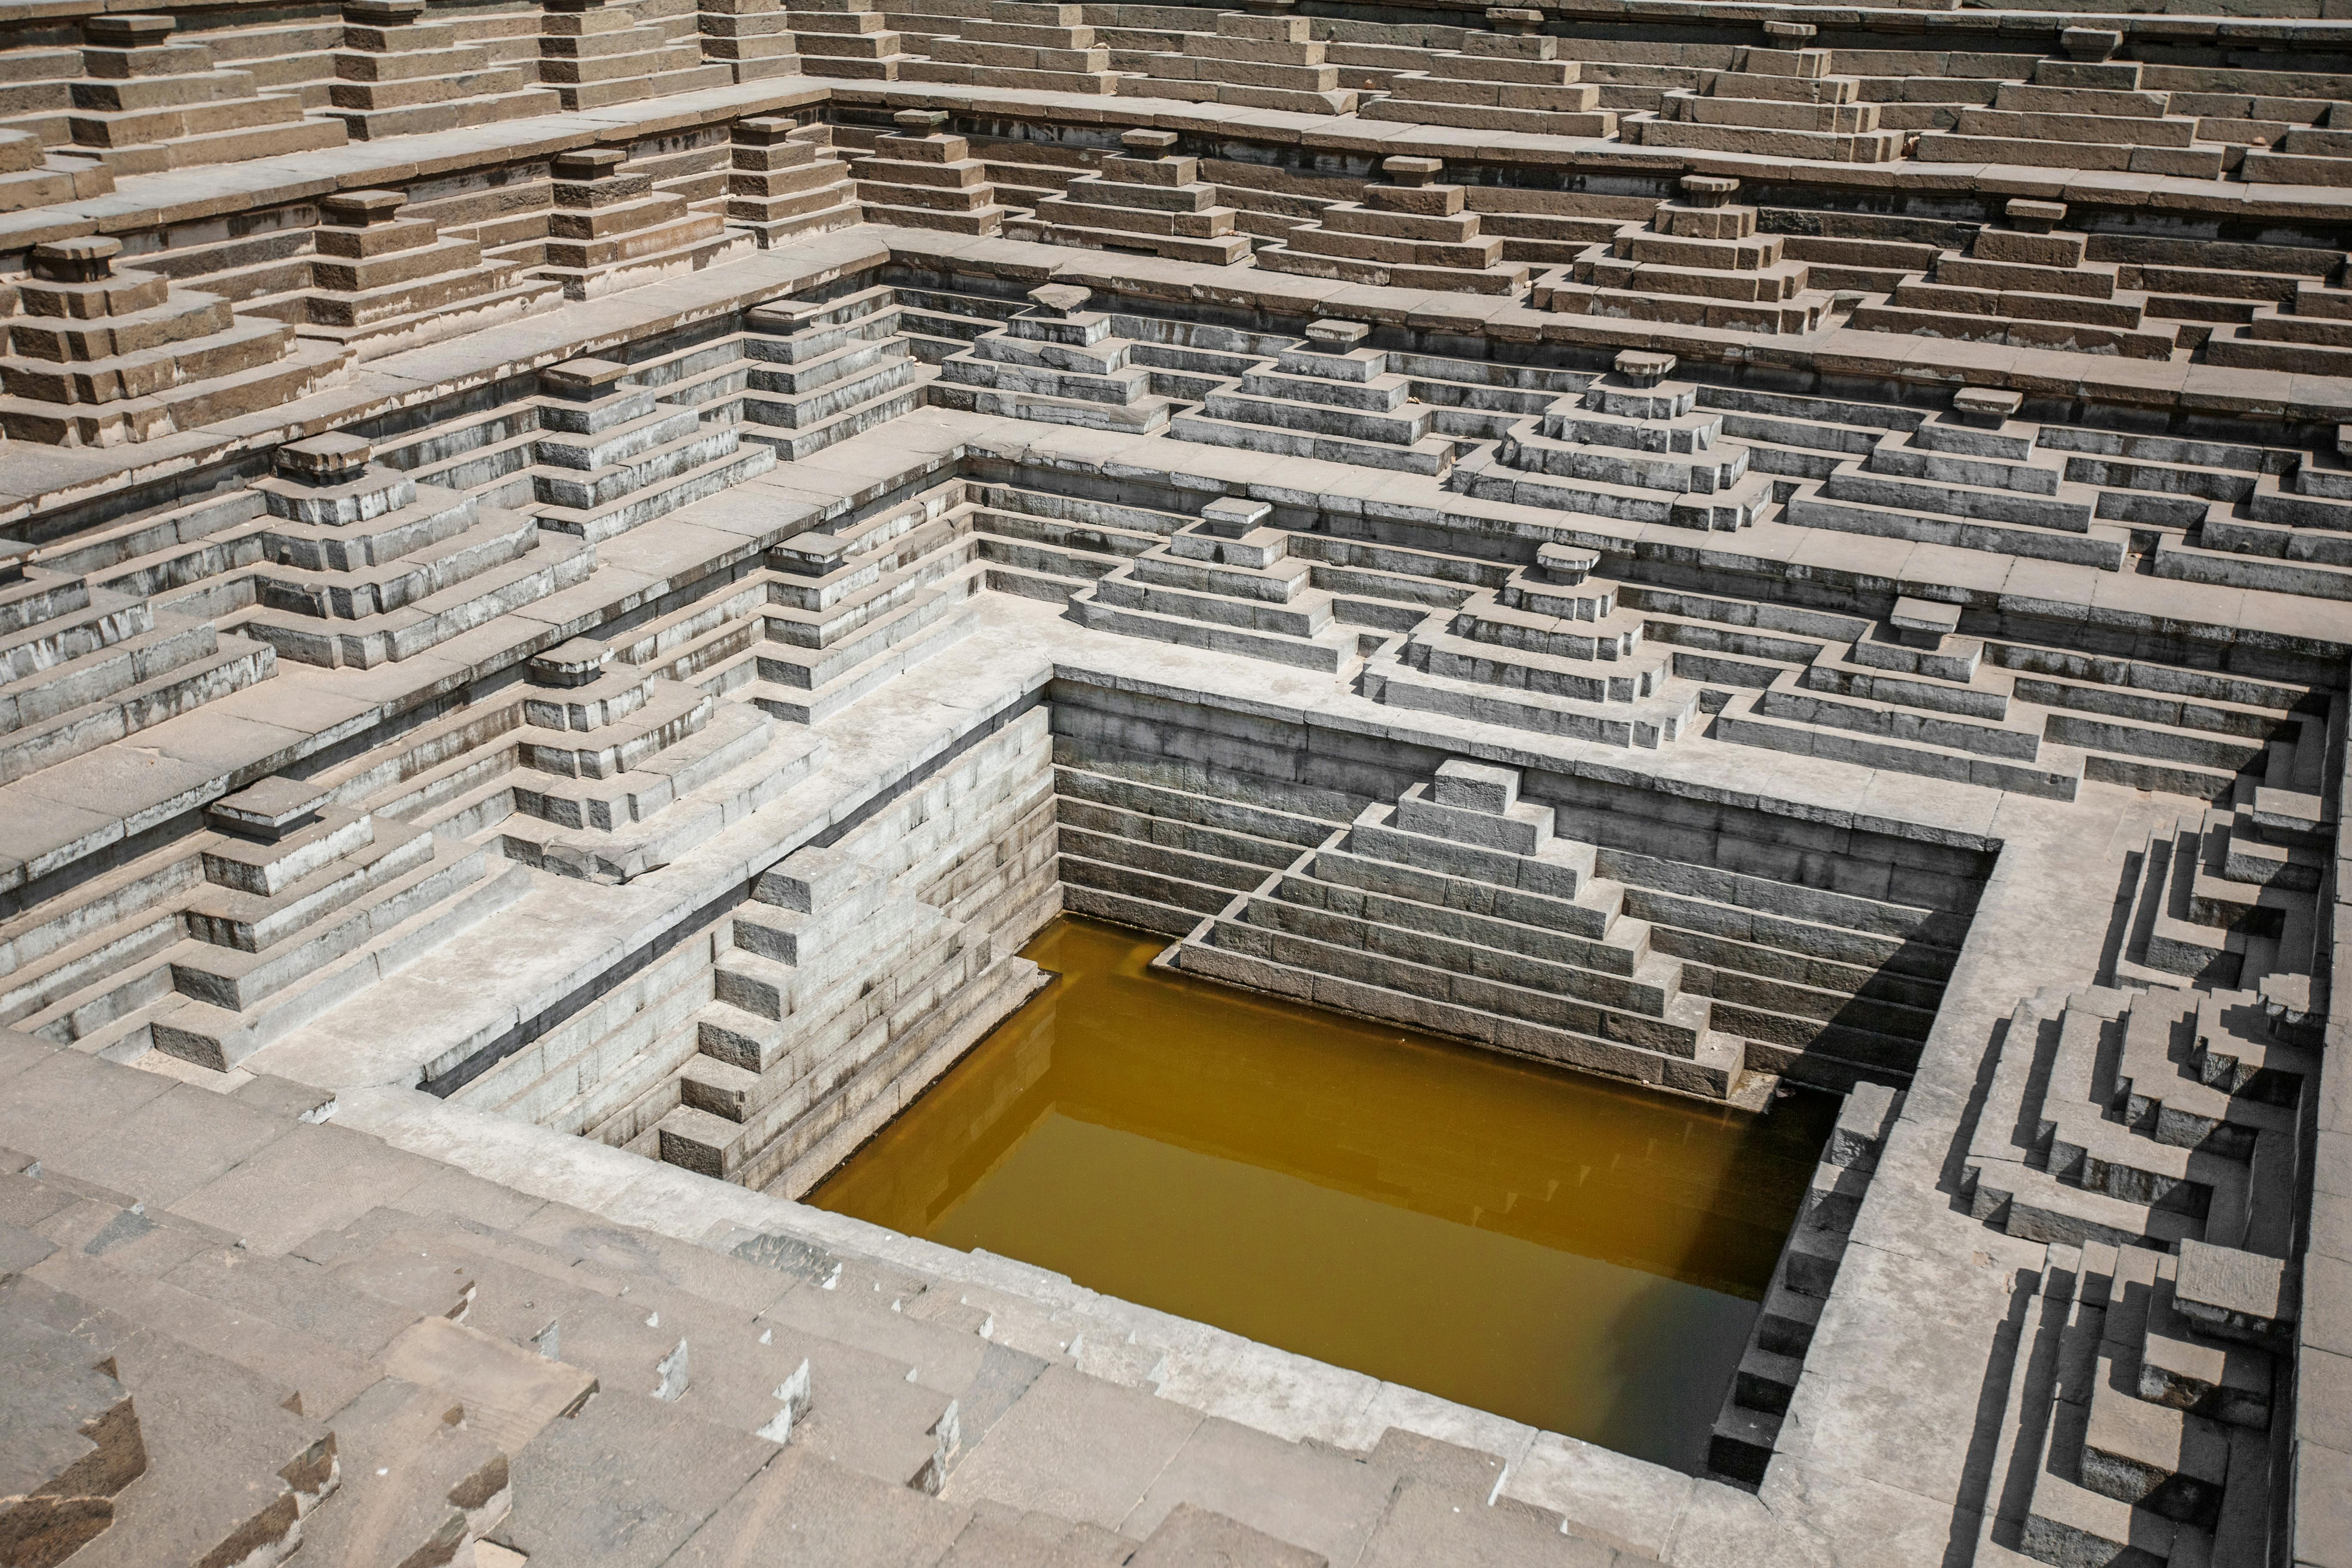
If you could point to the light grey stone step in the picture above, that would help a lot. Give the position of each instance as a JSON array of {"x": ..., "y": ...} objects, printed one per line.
[{"x": 219, "y": 1039}]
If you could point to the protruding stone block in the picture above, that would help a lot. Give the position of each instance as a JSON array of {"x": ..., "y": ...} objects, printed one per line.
[
  {"x": 1643, "y": 368},
  {"x": 331, "y": 459},
  {"x": 1060, "y": 298},
  {"x": 1922, "y": 623},
  {"x": 1476, "y": 786},
  {"x": 270, "y": 809},
  {"x": 569, "y": 664},
  {"x": 1987, "y": 406}
]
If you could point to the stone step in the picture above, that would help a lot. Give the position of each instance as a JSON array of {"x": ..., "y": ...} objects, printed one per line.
[
  {"x": 1342, "y": 917},
  {"x": 1303, "y": 970},
  {"x": 2102, "y": 547},
  {"x": 1430, "y": 454},
  {"x": 232, "y": 664},
  {"x": 688, "y": 470},
  {"x": 1487, "y": 660},
  {"x": 1163, "y": 616},
  {"x": 1647, "y": 723},
  {"x": 215, "y": 1037},
  {"x": 1884, "y": 715},
  {"x": 833, "y": 686}
]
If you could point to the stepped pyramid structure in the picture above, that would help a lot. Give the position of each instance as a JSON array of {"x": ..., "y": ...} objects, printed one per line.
[
  {"x": 784, "y": 180},
  {"x": 1557, "y": 652},
  {"x": 847, "y": 39},
  {"x": 611, "y": 229},
  {"x": 380, "y": 283},
  {"x": 97, "y": 358},
  {"x": 1326, "y": 395},
  {"x": 1782, "y": 103},
  {"x": 2085, "y": 111},
  {"x": 397, "y": 74},
  {"x": 1503, "y": 80},
  {"x": 594, "y": 55},
  {"x": 2026, "y": 283},
  {"x": 1267, "y": 59},
  {"x": 1634, "y": 446},
  {"x": 1018, "y": 45},
  {"x": 1057, "y": 361},
  {"x": 361, "y": 566},
  {"x": 921, "y": 177},
  {"x": 751, "y": 37},
  {"x": 611, "y": 455},
  {"x": 1696, "y": 661},
  {"x": 1411, "y": 231},
  {"x": 1699, "y": 261},
  {"x": 143, "y": 103},
  {"x": 1147, "y": 198}
]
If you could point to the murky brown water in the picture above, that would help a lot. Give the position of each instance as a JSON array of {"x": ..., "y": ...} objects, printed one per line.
[{"x": 1540, "y": 1244}]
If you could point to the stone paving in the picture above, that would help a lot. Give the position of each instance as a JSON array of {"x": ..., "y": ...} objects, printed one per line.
[{"x": 575, "y": 581}]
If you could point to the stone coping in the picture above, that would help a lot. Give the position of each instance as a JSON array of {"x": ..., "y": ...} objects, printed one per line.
[
  {"x": 1375, "y": 139},
  {"x": 1470, "y": 12},
  {"x": 35, "y": 479}
]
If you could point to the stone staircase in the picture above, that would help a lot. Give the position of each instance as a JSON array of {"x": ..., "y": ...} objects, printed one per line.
[
  {"x": 752, "y": 38},
  {"x": 207, "y": 950},
  {"x": 83, "y": 665},
  {"x": 611, "y": 454},
  {"x": 1548, "y": 650},
  {"x": 595, "y": 56},
  {"x": 99, "y": 358},
  {"x": 1327, "y": 397},
  {"x": 2226, "y": 897},
  {"x": 2026, "y": 285},
  {"x": 787, "y": 179},
  {"x": 1230, "y": 583},
  {"x": 1777, "y": 103},
  {"x": 606, "y": 750},
  {"x": 1040, "y": 48},
  {"x": 785, "y": 1056},
  {"x": 2142, "y": 1119},
  {"x": 1264, "y": 60},
  {"x": 2141, "y": 1410},
  {"x": 398, "y": 74},
  {"x": 404, "y": 566},
  {"x": 1913, "y": 696},
  {"x": 2151, "y": 1138},
  {"x": 847, "y": 39},
  {"x": 2086, "y": 112},
  {"x": 921, "y": 177},
  {"x": 853, "y": 604},
  {"x": 1971, "y": 479},
  {"x": 1510, "y": 79},
  {"x": 144, "y": 103},
  {"x": 1635, "y": 446},
  {"x": 1146, "y": 199},
  {"x": 1056, "y": 363},
  {"x": 1756, "y": 1405},
  {"x": 1697, "y": 261},
  {"x": 1408, "y": 233},
  {"x": 379, "y": 283},
  {"x": 1457, "y": 911},
  {"x": 821, "y": 373},
  {"x": 411, "y": 1363},
  {"x": 611, "y": 229}
]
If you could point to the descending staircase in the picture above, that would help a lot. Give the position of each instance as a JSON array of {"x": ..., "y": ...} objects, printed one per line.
[{"x": 1457, "y": 911}]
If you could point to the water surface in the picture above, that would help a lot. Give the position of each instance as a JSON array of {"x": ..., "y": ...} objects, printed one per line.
[{"x": 1541, "y": 1244}]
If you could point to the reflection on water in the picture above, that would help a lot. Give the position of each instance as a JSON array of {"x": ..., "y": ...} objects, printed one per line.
[{"x": 1547, "y": 1246}]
